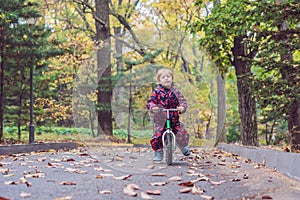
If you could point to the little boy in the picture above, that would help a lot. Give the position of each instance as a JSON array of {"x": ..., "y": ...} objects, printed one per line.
[{"x": 167, "y": 96}]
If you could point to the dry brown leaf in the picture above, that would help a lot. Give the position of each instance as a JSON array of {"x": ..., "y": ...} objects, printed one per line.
[
  {"x": 129, "y": 190},
  {"x": 266, "y": 197},
  {"x": 24, "y": 195},
  {"x": 191, "y": 171},
  {"x": 158, "y": 183},
  {"x": 4, "y": 171},
  {"x": 145, "y": 196},
  {"x": 8, "y": 175},
  {"x": 154, "y": 192},
  {"x": 41, "y": 159},
  {"x": 64, "y": 198},
  {"x": 197, "y": 190},
  {"x": 68, "y": 183},
  {"x": 67, "y": 159},
  {"x": 133, "y": 186},
  {"x": 36, "y": 175},
  {"x": 245, "y": 176},
  {"x": 175, "y": 178},
  {"x": 11, "y": 183},
  {"x": 103, "y": 175},
  {"x": 216, "y": 182},
  {"x": 185, "y": 190},
  {"x": 187, "y": 184},
  {"x": 83, "y": 154},
  {"x": 102, "y": 170},
  {"x": 222, "y": 163},
  {"x": 123, "y": 177},
  {"x": 159, "y": 174},
  {"x": 70, "y": 170},
  {"x": 54, "y": 165},
  {"x": 207, "y": 197},
  {"x": 104, "y": 192}
]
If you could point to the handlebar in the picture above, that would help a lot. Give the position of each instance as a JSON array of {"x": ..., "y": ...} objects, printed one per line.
[{"x": 171, "y": 109}]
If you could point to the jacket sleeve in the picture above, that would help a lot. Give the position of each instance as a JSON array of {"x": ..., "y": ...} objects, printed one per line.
[
  {"x": 152, "y": 100},
  {"x": 182, "y": 101}
]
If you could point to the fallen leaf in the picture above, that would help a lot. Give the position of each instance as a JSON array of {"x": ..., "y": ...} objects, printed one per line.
[
  {"x": 187, "y": 184},
  {"x": 102, "y": 170},
  {"x": 4, "y": 171},
  {"x": 123, "y": 177},
  {"x": 24, "y": 195},
  {"x": 54, "y": 165},
  {"x": 266, "y": 197},
  {"x": 191, "y": 171},
  {"x": 175, "y": 178},
  {"x": 185, "y": 190},
  {"x": 104, "y": 192},
  {"x": 197, "y": 190},
  {"x": 158, "y": 183},
  {"x": 159, "y": 174},
  {"x": 257, "y": 167},
  {"x": 245, "y": 176},
  {"x": 154, "y": 192},
  {"x": 52, "y": 151},
  {"x": 10, "y": 183},
  {"x": 222, "y": 163},
  {"x": 23, "y": 163},
  {"x": 3, "y": 198},
  {"x": 129, "y": 190},
  {"x": 103, "y": 175},
  {"x": 64, "y": 198},
  {"x": 68, "y": 183},
  {"x": 216, "y": 182},
  {"x": 8, "y": 175},
  {"x": 206, "y": 197},
  {"x": 36, "y": 175},
  {"x": 145, "y": 196},
  {"x": 41, "y": 159}
]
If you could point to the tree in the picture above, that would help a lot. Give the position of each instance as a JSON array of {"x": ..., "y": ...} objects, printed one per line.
[
  {"x": 277, "y": 80},
  {"x": 225, "y": 40},
  {"x": 25, "y": 46},
  {"x": 104, "y": 91}
]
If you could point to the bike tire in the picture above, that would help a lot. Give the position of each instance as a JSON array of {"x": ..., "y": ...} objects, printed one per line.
[{"x": 169, "y": 151}]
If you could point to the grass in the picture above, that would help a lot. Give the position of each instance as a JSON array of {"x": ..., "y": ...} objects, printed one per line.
[{"x": 80, "y": 135}]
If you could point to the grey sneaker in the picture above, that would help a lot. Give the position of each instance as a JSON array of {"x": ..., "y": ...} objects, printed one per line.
[
  {"x": 158, "y": 156},
  {"x": 185, "y": 150}
]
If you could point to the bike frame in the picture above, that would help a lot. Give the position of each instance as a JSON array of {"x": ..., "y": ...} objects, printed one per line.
[
  {"x": 168, "y": 127},
  {"x": 168, "y": 146}
]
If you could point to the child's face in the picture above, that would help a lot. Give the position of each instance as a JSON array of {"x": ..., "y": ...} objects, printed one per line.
[{"x": 166, "y": 80}]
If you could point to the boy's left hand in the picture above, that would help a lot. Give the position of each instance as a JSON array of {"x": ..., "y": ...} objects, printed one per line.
[{"x": 180, "y": 109}]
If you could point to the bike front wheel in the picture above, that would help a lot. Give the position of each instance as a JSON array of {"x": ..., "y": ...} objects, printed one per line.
[{"x": 169, "y": 150}]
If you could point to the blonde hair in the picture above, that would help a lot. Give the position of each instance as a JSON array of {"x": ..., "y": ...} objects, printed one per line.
[{"x": 163, "y": 71}]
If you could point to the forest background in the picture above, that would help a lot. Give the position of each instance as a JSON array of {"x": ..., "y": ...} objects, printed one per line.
[{"x": 93, "y": 65}]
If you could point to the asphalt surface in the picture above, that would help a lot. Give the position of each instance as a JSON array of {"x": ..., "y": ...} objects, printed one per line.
[{"x": 118, "y": 172}]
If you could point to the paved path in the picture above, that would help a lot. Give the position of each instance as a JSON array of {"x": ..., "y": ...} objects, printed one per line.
[{"x": 118, "y": 172}]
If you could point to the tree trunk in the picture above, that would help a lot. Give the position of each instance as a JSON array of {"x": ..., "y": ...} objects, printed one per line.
[
  {"x": 104, "y": 68},
  {"x": 119, "y": 89},
  {"x": 221, "y": 113},
  {"x": 290, "y": 75},
  {"x": 2, "y": 32},
  {"x": 294, "y": 125},
  {"x": 247, "y": 103}
]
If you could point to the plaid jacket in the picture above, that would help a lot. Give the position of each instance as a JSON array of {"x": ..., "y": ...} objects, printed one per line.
[{"x": 167, "y": 98}]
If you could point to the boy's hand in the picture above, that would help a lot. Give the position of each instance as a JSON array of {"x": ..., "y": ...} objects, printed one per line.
[
  {"x": 180, "y": 109},
  {"x": 155, "y": 109}
]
